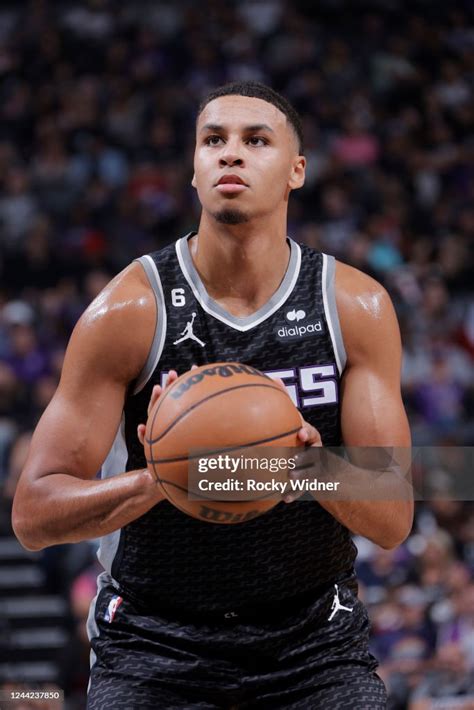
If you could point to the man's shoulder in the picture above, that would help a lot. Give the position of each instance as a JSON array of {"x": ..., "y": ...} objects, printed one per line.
[
  {"x": 359, "y": 291},
  {"x": 117, "y": 327},
  {"x": 128, "y": 291},
  {"x": 365, "y": 308}
]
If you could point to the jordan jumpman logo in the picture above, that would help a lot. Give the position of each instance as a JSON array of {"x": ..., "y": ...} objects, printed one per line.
[
  {"x": 336, "y": 605},
  {"x": 188, "y": 334}
]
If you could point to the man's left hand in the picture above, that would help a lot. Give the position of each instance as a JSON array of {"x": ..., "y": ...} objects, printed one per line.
[{"x": 309, "y": 436}]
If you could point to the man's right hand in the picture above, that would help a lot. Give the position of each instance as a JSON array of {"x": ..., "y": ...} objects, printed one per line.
[{"x": 156, "y": 393}]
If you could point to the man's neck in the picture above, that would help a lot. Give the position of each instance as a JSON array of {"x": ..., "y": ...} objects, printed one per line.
[{"x": 241, "y": 265}]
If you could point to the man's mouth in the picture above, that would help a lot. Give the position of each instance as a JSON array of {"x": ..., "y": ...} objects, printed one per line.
[{"x": 231, "y": 184}]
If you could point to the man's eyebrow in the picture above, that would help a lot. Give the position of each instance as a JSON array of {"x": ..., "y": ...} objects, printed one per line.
[
  {"x": 258, "y": 127},
  {"x": 254, "y": 128},
  {"x": 212, "y": 127}
]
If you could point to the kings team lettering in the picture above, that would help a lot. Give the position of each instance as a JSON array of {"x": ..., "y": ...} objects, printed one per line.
[{"x": 309, "y": 386}]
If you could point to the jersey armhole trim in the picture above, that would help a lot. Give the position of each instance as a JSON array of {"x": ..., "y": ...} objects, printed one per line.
[
  {"x": 330, "y": 310},
  {"x": 159, "y": 336}
]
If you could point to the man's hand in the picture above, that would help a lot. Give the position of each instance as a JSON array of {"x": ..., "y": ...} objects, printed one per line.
[
  {"x": 309, "y": 436},
  {"x": 156, "y": 393}
]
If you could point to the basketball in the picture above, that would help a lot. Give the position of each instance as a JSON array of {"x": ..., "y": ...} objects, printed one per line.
[{"x": 217, "y": 409}]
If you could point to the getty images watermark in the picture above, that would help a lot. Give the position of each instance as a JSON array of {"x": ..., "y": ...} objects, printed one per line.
[
  {"x": 230, "y": 479},
  {"x": 341, "y": 473}
]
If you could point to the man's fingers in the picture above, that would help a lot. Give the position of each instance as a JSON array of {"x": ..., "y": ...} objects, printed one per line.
[
  {"x": 172, "y": 376},
  {"x": 309, "y": 435},
  {"x": 155, "y": 394},
  {"x": 141, "y": 433},
  {"x": 158, "y": 390}
]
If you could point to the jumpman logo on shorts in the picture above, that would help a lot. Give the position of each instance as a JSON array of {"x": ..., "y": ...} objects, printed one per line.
[
  {"x": 188, "y": 334},
  {"x": 336, "y": 605}
]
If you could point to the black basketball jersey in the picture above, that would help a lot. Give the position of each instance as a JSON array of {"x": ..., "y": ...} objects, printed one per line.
[{"x": 166, "y": 556}]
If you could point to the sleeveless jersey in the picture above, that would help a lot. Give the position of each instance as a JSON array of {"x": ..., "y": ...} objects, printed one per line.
[{"x": 167, "y": 557}]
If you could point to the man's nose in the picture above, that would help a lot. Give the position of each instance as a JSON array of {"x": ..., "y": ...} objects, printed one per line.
[
  {"x": 230, "y": 159},
  {"x": 230, "y": 155}
]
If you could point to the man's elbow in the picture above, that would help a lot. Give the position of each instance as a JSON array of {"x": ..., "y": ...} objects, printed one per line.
[
  {"x": 390, "y": 542},
  {"x": 23, "y": 527},
  {"x": 396, "y": 534},
  {"x": 24, "y": 536}
]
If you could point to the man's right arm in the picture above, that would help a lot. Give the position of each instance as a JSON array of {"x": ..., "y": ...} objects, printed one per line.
[{"x": 58, "y": 498}]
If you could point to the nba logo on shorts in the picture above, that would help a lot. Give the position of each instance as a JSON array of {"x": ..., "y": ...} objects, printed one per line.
[{"x": 114, "y": 604}]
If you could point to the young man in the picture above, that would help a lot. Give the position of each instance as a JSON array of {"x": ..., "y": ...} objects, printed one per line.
[{"x": 191, "y": 614}]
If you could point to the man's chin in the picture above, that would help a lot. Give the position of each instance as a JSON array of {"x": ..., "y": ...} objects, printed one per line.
[{"x": 230, "y": 215}]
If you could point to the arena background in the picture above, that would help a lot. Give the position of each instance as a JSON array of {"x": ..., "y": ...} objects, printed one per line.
[{"x": 97, "y": 108}]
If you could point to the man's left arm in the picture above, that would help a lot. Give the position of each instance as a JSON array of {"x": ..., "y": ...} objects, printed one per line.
[{"x": 372, "y": 415}]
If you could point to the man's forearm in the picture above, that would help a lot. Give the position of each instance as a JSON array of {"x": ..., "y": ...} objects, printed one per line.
[
  {"x": 387, "y": 523},
  {"x": 60, "y": 508},
  {"x": 375, "y": 503}
]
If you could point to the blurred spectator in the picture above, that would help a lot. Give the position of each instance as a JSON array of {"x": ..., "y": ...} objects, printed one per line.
[
  {"x": 18, "y": 208},
  {"x": 451, "y": 681},
  {"x": 17, "y": 458}
]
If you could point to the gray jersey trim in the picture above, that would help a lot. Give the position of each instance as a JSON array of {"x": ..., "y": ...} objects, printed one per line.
[
  {"x": 330, "y": 309},
  {"x": 158, "y": 343},
  {"x": 214, "y": 309},
  {"x": 115, "y": 463}
]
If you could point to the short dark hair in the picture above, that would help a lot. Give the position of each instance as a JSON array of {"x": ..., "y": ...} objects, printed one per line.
[{"x": 257, "y": 90}]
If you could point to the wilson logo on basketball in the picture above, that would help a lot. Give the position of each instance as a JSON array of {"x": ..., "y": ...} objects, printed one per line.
[{"x": 219, "y": 370}]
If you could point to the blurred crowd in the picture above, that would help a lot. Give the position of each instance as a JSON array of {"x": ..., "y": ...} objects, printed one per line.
[
  {"x": 97, "y": 111},
  {"x": 420, "y": 599}
]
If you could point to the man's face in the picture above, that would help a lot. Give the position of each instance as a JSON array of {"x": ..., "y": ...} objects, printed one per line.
[{"x": 246, "y": 159}]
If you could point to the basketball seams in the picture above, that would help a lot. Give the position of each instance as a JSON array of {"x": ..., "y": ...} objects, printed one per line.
[
  {"x": 213, "y": 452},
  {"x": 175, "y": 490},
  {"x": 203, "y": 401},
  {"x": 151, "y": 442},
  {"x": 170, "y": 389}
]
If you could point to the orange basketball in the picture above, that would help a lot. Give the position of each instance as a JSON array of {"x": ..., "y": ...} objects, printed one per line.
[{"x": 213, "y": 410}]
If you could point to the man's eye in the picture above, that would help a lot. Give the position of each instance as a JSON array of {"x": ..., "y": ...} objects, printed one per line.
[
  {"x": 213, "y": 140},
  {"x": 257, "y": 141}
]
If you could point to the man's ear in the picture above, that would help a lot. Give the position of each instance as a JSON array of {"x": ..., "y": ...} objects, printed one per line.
[
  {"x": 298, "y": 173},
  {"x": 193, "y": 181}
]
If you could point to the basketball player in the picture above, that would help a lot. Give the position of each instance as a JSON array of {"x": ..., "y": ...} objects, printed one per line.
[{"x": 191, "y": 614}]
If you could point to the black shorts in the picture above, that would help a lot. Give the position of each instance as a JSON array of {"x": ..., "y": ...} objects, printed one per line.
[{"x": 297, "y": 659}]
